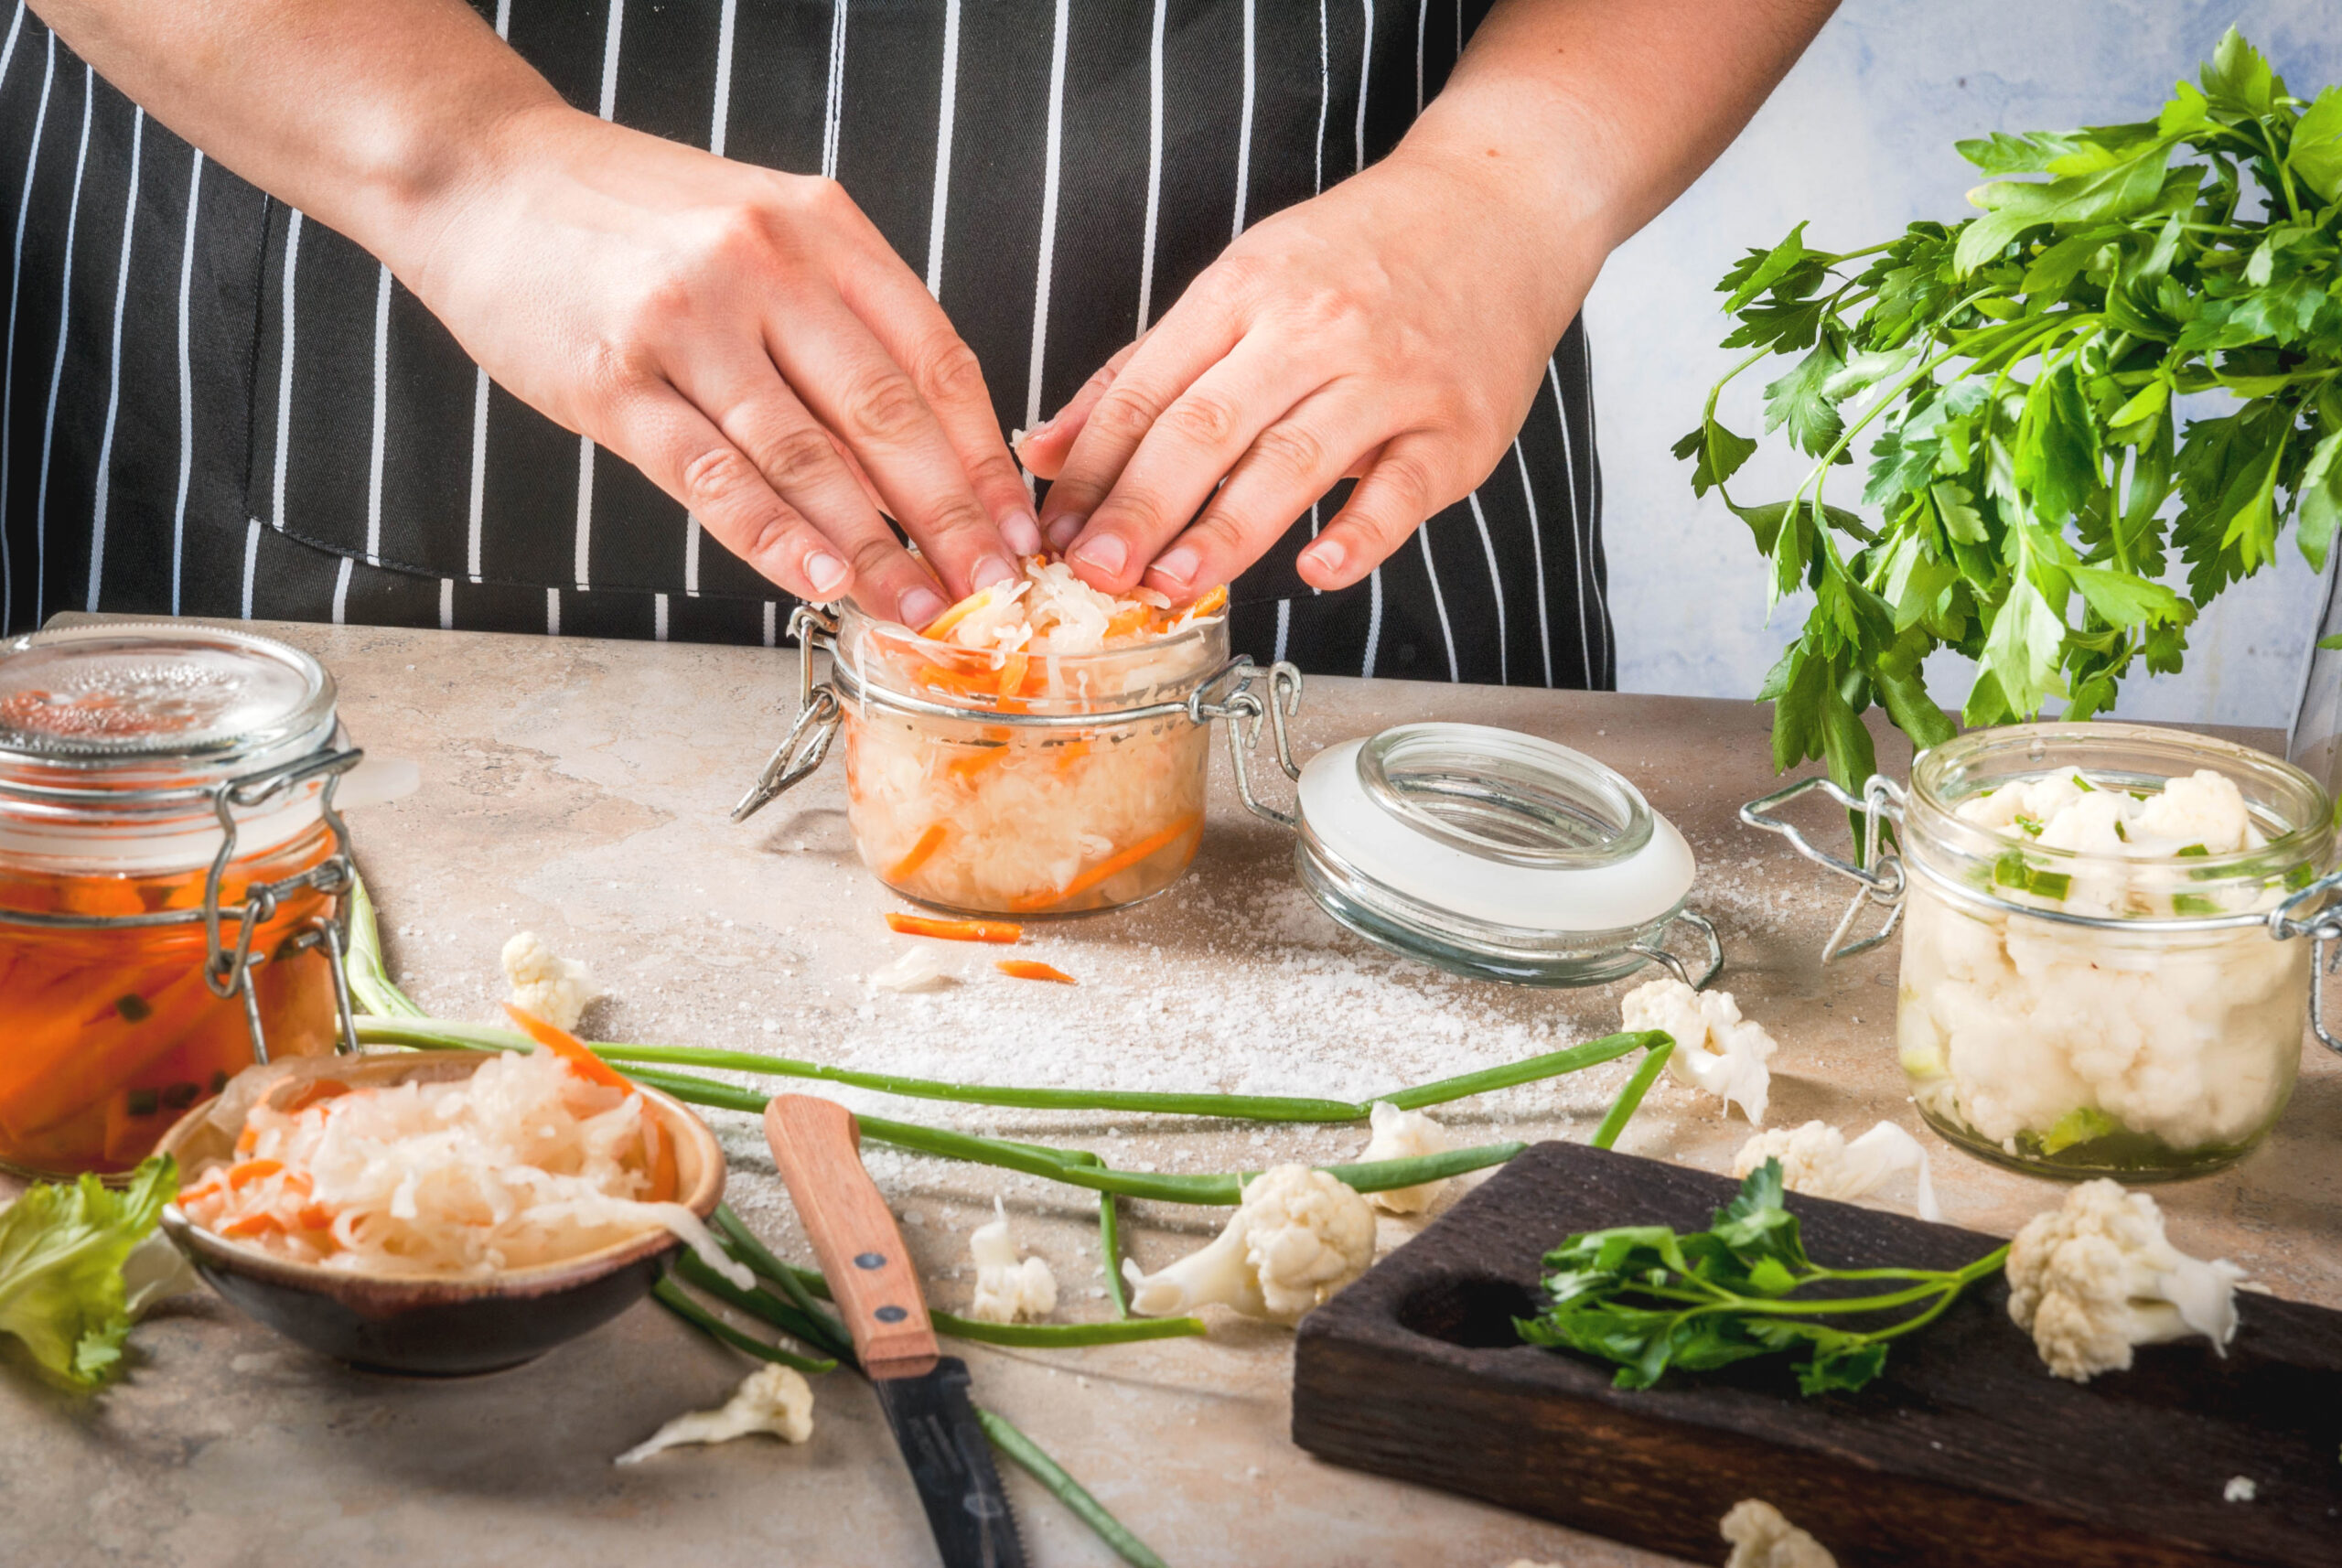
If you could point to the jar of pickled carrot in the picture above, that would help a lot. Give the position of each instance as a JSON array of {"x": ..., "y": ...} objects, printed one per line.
[{"x": 171, "y": 880}]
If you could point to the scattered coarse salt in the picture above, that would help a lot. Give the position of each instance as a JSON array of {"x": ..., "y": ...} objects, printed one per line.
[{"x": 2240, "y": 1489}]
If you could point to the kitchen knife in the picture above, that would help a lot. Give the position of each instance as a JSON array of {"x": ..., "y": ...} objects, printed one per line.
[{"x": 924, "y": 1394}]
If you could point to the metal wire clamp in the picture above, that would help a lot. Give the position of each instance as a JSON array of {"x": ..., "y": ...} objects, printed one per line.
[{"x": 1881, "y": 869}]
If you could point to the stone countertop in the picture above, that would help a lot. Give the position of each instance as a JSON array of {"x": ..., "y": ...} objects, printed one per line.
[{"x": 580, "y": 788}]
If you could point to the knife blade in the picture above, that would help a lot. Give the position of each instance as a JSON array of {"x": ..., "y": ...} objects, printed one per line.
[{"x": 817, "y": 1146}]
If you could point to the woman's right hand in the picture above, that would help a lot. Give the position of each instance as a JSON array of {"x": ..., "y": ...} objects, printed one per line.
[{"x": 744, "y": 337}]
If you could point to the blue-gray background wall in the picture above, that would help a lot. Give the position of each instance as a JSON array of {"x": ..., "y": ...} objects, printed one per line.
[{"x": 1859, "y": 140}]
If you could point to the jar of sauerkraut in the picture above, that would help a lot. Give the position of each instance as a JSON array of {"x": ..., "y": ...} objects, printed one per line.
[
  {"x": 172, "y": 880},
  {"x": 1007, "y": 770},
  {"x": 2099, "y": 975}
]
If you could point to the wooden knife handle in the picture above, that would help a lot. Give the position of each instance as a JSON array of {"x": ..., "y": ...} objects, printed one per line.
[{"x": 818, "y": 1150}]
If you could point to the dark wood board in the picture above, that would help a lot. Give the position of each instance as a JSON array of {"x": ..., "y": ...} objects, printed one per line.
[{"x": 1965, "y": 1452}]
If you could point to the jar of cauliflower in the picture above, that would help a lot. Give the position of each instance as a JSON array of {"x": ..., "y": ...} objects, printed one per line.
[
  {"x": 2089, "y": 983},
  {"x": 999, "y": 762}
]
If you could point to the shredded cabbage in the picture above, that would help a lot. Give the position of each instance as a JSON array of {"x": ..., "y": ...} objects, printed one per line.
[{"x": 522, "y": 1163}]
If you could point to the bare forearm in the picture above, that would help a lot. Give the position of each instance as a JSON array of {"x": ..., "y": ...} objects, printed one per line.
[
  {"x": 365, "y": 114},
  {"x": 1601, "y": 112}
]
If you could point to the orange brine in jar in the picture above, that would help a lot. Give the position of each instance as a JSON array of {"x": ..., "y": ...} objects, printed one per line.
[
  {"x": 1063, "y": 797},
  {"x": 116, "y": 742}
]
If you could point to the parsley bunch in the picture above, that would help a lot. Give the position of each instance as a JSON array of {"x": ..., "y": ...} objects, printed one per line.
[
  {"x": 1647, "y": 1298},
  {"x": 2016, "y": 375}
]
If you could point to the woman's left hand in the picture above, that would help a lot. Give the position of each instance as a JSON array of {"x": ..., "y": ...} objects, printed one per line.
[{"x": 1394, "y": 329}]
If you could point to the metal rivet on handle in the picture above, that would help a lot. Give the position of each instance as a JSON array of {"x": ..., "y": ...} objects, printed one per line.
[
  {"x": 871, "y": 1261},
  {"x": 890, "y": 1314}
]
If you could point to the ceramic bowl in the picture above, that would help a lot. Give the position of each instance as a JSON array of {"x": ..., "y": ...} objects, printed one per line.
[{"x": 423, "y": 1326}]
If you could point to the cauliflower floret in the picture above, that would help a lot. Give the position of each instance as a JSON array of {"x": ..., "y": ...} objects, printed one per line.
[
  {"x": 1817, "y": 1160},
  {"x": 1761, "y": 1537},
  {"x": 2096, "y": 1276},
  {"x": 1299, "y": 1236},
  {"x": 1404, "y": 1135},
  {"x": 2204, "y": 808},
  {"x": 772, "y": 1399},
  {"x": 1715, "y": 1049},
  {"x": 1008, "y": 1290},
  {"x": 554, "y": 988}
]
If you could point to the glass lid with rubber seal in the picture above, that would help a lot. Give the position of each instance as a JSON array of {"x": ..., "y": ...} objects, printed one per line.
[{"x": 1497, "y": 855}]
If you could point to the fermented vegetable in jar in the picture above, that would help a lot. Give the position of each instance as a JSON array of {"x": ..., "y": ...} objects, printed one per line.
[
  {"x": 1039, "y": 790},
  {"x": 116, "y": 745},
  {"x": 2090, "y": 983}
]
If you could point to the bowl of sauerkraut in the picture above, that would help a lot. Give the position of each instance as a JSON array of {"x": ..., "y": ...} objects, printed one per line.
[
  {"x": 439, "y": 1213},
  {"x": 2090, "y": 981},
  {"x": 1001, "y": 762}
]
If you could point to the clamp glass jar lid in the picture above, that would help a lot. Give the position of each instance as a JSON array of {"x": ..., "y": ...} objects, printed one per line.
[
  {"x": 1493, "y": 853},
  {"x": 171, "y": 880},
  {"x": 2100, "y": 974}
]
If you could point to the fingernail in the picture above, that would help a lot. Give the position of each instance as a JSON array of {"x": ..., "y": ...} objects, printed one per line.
[
  {"x": 1066, "y": 529},
  {"x": 993, "y": 569},
  {"x": 1178, "y": 565},
  {"x": 1023, "y": 534},
  {"x": 1104, "y": 553},
  {"x": 1326, "y": 555},
  {"x": 920, "y": 607},
  {"x": 825, "y": 571}
]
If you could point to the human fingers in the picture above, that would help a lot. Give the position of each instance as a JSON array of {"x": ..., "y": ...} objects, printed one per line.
[
  {"x": 686, "y": 456},
  {"x": 1190, "y": 449},
  {"x": 1044, "y": 447},
  {"x": 1332, "y": 433},
  {"x": 738, "y": 389},
  {"x": 1401, "y": 490},
  {"x": 846, "y": 379},
  {"x": 913, "y": 329},
  {"x": 1197, "y": 334}
]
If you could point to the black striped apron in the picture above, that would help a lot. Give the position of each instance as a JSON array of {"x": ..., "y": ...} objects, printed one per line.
[{"x": 210, "y": 405}]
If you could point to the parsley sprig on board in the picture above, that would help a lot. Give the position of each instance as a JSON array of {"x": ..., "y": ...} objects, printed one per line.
[
  {"x": 1647, "y": 1298},
  {"x": 2015, "y": 377}
]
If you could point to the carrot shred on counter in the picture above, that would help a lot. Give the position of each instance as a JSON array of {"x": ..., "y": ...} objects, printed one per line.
[
  {"x": 929, "y": 843},
  {"x": 1001, "y": 932},
  {"x": 1122, "y": 860},
  {"x": 570, "y": 1049},
  {"x": 1027, "y": 969}
]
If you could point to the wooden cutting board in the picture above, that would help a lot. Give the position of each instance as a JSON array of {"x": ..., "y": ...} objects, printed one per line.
[{"x": 1965, "y": 1452}]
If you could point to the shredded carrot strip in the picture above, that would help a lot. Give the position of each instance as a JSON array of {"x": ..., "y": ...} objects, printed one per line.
[
  {"x": 247, "y": 1140},
  {"x": 929, "y": 843},
  {"x": 1071, "y": 753},
  {"x": 958, "y": 613},
  {"x": 662, "y": 1149},
  {"x": 252, "y": 1224},
  {"x": 1003, "y": 932},
  {"x": 315, "y": 1216},
  {"x": 1012, "y": 674},
  {"x": 570, "y": 1049},
  {"x": 1212, "y": 603},
  {"x": 214, "y": 1183},
  {"x": 252, "y": 1171},
  {"x": 1121, "y": 861},
  {"x": 968, "y": 766},
  {"x": 1027, "y": 969},
  {"x": 1126, "y": 621}
]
